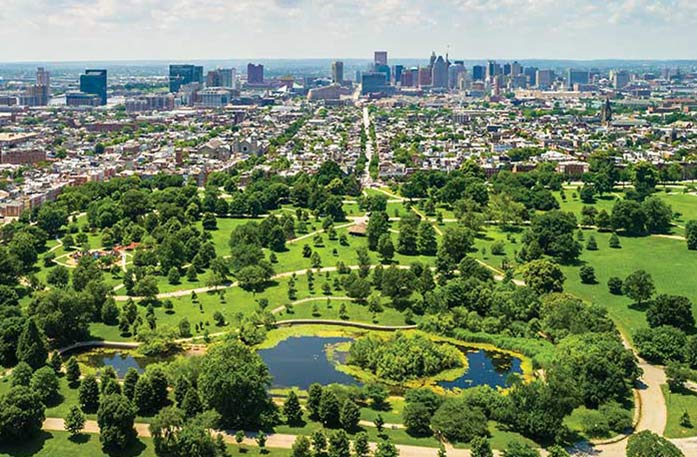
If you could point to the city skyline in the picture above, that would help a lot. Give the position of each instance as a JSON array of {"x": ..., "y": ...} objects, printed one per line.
[{"x": 81, "y": 30}]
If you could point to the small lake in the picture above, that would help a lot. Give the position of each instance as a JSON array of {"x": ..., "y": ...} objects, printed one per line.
[
  {"x": 121, "y": 361},
  {"x": 301, "y": 361},
  {"x": 486, "y": 368}
]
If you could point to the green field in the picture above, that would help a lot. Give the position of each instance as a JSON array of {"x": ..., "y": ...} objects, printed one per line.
[{"x": 678, "y": 403}]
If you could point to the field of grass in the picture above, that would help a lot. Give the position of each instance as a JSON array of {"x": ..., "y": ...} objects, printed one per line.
[
  {"x": 59, "y": 444},
  {"x": 667, "y": 260},
  {"x": 678, "y": 403}
]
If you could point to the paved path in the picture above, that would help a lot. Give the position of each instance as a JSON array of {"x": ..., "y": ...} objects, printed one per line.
[{"x": 310, "y": 235}]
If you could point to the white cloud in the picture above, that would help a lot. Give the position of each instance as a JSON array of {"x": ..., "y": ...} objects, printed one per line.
[{"x": 81, "y": 29}]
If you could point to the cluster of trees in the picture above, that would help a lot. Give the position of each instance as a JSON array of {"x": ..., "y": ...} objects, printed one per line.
[
  {"x": 402, "y": 356},
  {"x": 652, "y": 215}
]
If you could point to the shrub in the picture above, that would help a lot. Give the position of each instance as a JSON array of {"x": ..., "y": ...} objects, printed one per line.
[
  {"x": 587, "y": 274},
  {"x": 614, "y": 285}
]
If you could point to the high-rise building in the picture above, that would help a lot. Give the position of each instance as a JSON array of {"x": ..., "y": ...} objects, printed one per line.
[
  {"x": 213, "y": 79},
  {"x": 397, "y": 71},
  {"x": 516, "y": 69},
  {"x": 439, "y": 73},
  {"x": 507, "y": 69},
  {"x": 43, "y": 77},
  {"x": 478, "y": 73},
  {"x": 454, "y": 73},
  {"x": 228, "y": 77},
  {"x": 544, "y": 78},
  {"x": 531, "y": 73},
  {"x": 94, "y": 82},
  {"x": 574, "y": 76},
  {"x": 180, "y": 75},
  {"x": 620, "y": 79},
  {"x": 492, "y": 69},
  {"x": 338, "y": 72},
  {"x": 425, "y": 77},
  {"x": 255, "y": 74},
  {"x": 386, "y": 70},
  {"x": 380, "y": 58},
  {"x": 373, "y": 82},
  {"x": 409, "y": 77}
]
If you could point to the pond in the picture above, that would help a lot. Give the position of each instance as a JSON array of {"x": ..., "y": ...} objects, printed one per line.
[
  {"x": 301, "y": 361},
  {"x": 121, "y": 361},
  {"x": 486, "y": 368}
]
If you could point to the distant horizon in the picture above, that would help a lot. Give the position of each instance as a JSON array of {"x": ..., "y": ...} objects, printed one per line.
[{"x": 135, "y": 30}]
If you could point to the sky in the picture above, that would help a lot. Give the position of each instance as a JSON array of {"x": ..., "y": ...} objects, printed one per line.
[{"x": 75, "y": 30}]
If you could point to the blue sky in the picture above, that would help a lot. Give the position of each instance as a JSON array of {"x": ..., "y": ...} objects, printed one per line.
[{"x": 473, "y": 29}]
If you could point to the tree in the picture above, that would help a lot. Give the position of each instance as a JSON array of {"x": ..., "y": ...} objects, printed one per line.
[
  {"x": 88, "y": 394},
  {"x": 519, "y": 449},
  {"x": 614, "y": 241},
  {"x": 378, "y": 225},
  {"x": 44, "y": 382},
  {"x": 319, "y": 442},
  {"x": 21, "y": 375},
  {"x": 115, "y": 418},
  {"x": 329, "y": 409},
  {"x": 261, "y": 441},
  {"x": 209, "y": 222},
  {"x": 557, "y": 451},
  {"x": 192, "y": 404},
  {"x": 587, "y": 274},
  {"x": 130, "y": 381},
  {"x": 233, "y": 382},
  {"x": 417, "y": 419},
  {"x": 144, "y": 397},
  {"x": 314, "y": 399},
  {"x": 173, "y": 276},
  {"x": 691, "y": 234},
  {"x": 385, "y": 448},
  {"x": 21, "y": 414},
  {"x": 56, "y": 361},
  {"x": 480, "y": 447},
  {"x": 661, "y": 344},
  {"x": 386, "y": 248},
  {"x": 648, "y": 444},
  {"x": 51, "y": 218},
  {"x": 361, "y": 447},
  {"x": 614, "y": 285},
  {"x": 58, "y": 276},
  {"x": 544, "y": 276},
  {"x": 638, "y": 286},
  {"x": 658, "y": 215},
  {"x": 459, "y": 422},
  {"x": 301, "y": 447},
  {"x": 31, "y": 347},
  {"x": 74, "y": 421},
  {"x": 644, "y": 177},
  {"x": 349, "y": 416},
  {"x": 292, "y": 409},
  {"x": 592, "y": 244},
  {"x": 426, "y": 239},
  {"x": 628, "y": 215},
  {"x": 672, "y": 310}
]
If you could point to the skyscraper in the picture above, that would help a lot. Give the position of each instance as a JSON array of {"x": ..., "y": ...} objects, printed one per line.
[
  {"x": 94, "y": 82},
  {"x": 397, "y": 71},
  {"x": 338, "y": 72},
  {"x": 373, "y": 82},
  {"x": 531, "y": 73},
  {"x": 180, "y": 75},
  {"x": 574, "y": 76},
  {"x": 439, "y": 73},
  {"x": 544, "y": 78},
  {"x": 620, "y": 79},
  {"x": 386, "y": 70},
  {"x": 255, "y": 74},
  {"x": 478, "y": 73},
  {"x": 380, "y": 58},
  {"x": 43, "y": 77},
  {"x": 516, "y": 69},
  {"x": 213, "y": 79}
]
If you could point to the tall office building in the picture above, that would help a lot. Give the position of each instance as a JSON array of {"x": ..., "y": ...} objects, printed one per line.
[
  {"x": 507, "y": 69},
  {"x": 255, "y": 74},
  {"x": 94, "y": 82},
  {"x": 180, "y": 75},
  {"x": 425, "y": 78},
  {"x": 531, "y": 73},
  {"x": 43, "y": 77},
  {"x": 544, "y": 78},
  {"x": 454, "y": 73},
  {"x": 492, "y": 69},
  {"x": 439, "y": 73},
  {"x": 620, "y": 79},
  {"x": 373, "y": 82},
  {"x": 213, "y": 79},
  {"x": 227, "y": 77},
  {"x": 386, "y": 70},
  {"x": 397, "y": 71},
  {"x": 574, "y": 76},
  {"x": 516, "y": 69},
  {"x": 478, "y": 73},
  {"x": 338, "y": 72},
  {"x": 380, "y": 58}
]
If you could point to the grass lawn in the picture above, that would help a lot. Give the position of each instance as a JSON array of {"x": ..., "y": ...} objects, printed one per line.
[
  {"x": 59, "y": 444},
  {"x": 678, "y": 403},
  {"x": 667, "y": 260}
]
